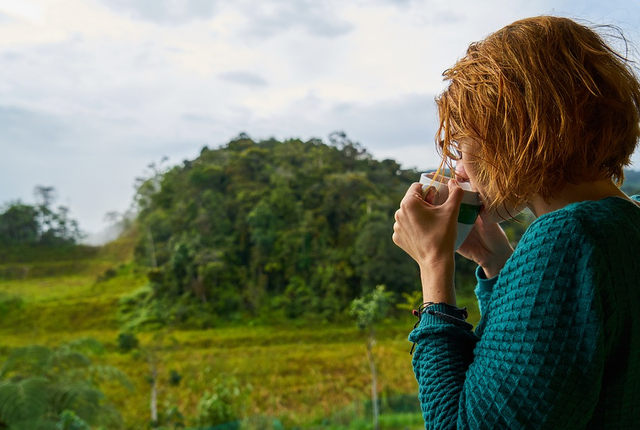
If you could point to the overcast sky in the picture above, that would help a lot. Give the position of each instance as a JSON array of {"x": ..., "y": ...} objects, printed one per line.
[{"x": 92, "y": 91}]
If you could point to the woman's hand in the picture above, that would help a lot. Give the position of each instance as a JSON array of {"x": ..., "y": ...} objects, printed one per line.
[
  {"x": 427, "y": 233},
  {"x": 488, "y": 246}
]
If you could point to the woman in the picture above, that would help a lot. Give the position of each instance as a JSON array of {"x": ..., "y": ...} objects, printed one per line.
[{"x": 541, "y": 114}]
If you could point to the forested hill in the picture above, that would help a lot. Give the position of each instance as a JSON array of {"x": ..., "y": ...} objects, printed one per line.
[{"x": 269, "y": 228}]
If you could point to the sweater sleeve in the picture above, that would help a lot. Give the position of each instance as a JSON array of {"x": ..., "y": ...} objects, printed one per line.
[
  {"x": 539, "y": 361},
  {"x": 484, "y": 289}
]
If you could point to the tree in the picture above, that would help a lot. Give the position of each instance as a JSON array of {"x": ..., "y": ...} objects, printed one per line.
[
  {"x": 19, "y": 223},
  {"x": 39, "y": 224},
  {"x": 151, "y": 353},
  {"x": 369, "y": 310},
  {"x": 43, "y": 387}
]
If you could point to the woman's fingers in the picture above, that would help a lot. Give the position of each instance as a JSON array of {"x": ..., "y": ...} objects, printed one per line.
[
  {"x": 456, "y": 194},
  {"x": 422, "y": 229},
  {"x": 430, "y": 194},
  {"x": 412, "y": 196}
]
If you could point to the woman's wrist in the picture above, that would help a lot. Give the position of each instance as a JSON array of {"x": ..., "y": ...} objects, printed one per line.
[
  {"x": 493, "y": 267},
  {"x": 437, "y": 276},
  {"x": 490, "y": 272}
]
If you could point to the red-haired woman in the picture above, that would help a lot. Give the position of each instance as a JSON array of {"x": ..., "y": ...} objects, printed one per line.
[{"x": 541, "y": 114}]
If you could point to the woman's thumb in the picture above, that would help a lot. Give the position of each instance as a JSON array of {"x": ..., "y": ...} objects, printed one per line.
[{"x": 456, "y": 194}]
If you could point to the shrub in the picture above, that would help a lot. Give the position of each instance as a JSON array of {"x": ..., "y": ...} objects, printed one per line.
[
  {"x": 127, "y": 342},
  {"x": 225, "y": 404}
]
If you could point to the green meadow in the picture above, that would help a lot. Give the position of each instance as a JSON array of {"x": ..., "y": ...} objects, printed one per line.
[{"x": 300, "y": 373}]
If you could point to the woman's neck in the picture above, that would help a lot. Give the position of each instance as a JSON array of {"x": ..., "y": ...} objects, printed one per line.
[{"x": 573, "y": 193}]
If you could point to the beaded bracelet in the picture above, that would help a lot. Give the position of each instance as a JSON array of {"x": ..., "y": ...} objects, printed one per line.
[{"x": 424, "y": 309}]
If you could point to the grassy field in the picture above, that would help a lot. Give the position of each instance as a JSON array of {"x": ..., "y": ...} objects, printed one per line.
[{"x": 302, "y": 375}]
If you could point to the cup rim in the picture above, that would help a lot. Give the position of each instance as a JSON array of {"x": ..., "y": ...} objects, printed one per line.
[{"x": 444, "y": 180}]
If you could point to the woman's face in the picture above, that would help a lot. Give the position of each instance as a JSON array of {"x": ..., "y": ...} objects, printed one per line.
[{"x": 465, "y": 172}]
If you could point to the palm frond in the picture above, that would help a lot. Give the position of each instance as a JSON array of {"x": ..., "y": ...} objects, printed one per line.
[
  {"x": 23, "y": 400},
  {"x": 79, "y": 397},
  {"x": 35, "y": 424},
  {"x": 30, "y": 360},
  {"x": 63, "y": 360}
]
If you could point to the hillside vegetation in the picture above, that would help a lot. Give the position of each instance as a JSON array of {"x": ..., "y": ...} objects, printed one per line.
[
  {"x": 300, "y": 374},
  {"x": 268, "y": 229},
  {"x": 228, "y": 293}
]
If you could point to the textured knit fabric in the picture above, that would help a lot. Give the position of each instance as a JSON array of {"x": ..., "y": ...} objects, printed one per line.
[{"x": 558, "y": 343}]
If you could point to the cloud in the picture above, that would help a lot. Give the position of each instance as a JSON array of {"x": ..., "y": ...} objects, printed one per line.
[
  {"x": 165, "y": 12},
  {"x": 5, "y": 19},
  {"x": 273, "y": 17},
  {"x": 30, "y": 129},
  {"x": 400, "y": 128},
  {"x": 197, "y": 118},
  {"x": 243, "y": 78},
  {"x": 427, "y": 13}
]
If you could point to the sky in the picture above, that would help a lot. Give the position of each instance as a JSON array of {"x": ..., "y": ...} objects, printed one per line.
[{"x": 93, "y": 91}]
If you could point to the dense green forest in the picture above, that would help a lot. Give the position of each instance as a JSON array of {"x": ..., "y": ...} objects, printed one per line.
[{"x": 269, "y": 229}]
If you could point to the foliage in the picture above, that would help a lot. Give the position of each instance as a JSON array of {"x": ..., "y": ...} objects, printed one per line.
[
  {"x": 36, "y": 253},
  {"x": 127, "y": 341},
  {"x": 70, "y": 421},
  {"x": 371, "y": 308},
  {"x": 225, "y": 404},
  {"x": 174, "y": 377},
  {"x": 39, "y": 224},
  {"x": 41, "y": 386},
  {"x": 411, "y": 301},
  {"x": 172, "y": 419},
  {"x": 257, "y": 228},
  {"x": 300, "y": 370}
]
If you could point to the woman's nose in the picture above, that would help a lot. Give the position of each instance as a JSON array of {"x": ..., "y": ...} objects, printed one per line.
[{"x": 461, "y": 173}]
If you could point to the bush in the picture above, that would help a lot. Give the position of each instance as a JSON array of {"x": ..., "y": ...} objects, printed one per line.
[
  {"x": 225, "y": 404},
  {"x": 127, "y": 342}
]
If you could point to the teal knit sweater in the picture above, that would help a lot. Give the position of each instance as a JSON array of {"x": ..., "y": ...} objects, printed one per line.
[{"x": 558, "y": 344}]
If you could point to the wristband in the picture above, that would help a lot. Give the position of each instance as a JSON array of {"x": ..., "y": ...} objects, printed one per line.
[{"x": 425, "y": 309}]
